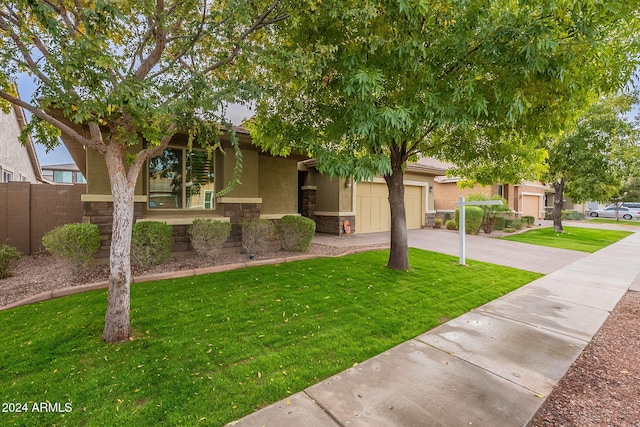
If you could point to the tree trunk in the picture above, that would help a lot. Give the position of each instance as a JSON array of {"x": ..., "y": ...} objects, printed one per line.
[
  {"x": 399, "y": 255},
  {"x": 558, "y": 205},
  {"x": 117, "y": 326}
]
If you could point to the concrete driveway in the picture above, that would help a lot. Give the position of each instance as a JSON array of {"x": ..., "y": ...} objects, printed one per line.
[{"x": 535, "y": 258}]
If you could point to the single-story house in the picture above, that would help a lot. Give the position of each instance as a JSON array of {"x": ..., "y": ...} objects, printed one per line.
[
  {"x": 364, "y": 206},
  {"x": 181, "y": 185}
]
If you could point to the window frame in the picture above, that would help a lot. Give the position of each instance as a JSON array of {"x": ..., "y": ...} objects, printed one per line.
[{"x": 183, "y": 175}]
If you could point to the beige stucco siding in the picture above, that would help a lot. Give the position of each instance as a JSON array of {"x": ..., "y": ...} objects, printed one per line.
[
  {"x": 277, "y": 185},
  {"x": 447, "y": 194},
  {"x": 249, "y": 178},
  {"x": 327, "y": 189},
  {"x": 98, "y": 177}
]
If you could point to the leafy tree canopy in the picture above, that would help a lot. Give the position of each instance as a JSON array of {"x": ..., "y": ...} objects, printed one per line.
[
  {"x": 599, "y": 154},
  {"x": 367, "y": 85},
  {"x": 356, "y": 80}
]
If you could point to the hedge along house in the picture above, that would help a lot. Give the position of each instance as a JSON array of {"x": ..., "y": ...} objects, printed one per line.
[
  {"x": 182, "y": 184},
  {"x": 331, "y": 202}
]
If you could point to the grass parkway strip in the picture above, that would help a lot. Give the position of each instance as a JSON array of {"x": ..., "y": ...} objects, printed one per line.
[
  {"x": 573, "y": 238},
  {"x": 210, "y": 349}
]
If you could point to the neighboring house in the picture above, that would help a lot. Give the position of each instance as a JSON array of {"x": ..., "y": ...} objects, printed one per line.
[
  {"x": 181, "y": 185},
  {"x": 331, "y": 202},
  {"x": 18, "y": 162},
  {"x": 67, "y": 173},
  {"x": 525, "y": 199}
]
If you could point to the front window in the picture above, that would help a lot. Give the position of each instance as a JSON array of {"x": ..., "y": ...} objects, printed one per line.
[{"x": 181, "y": 179}]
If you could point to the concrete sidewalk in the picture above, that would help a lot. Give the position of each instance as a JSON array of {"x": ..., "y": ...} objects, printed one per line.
[{"x": 493, "y": 366}]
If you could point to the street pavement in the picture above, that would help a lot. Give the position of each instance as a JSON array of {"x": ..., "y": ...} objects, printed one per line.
[{"x": 492, "y": 366}]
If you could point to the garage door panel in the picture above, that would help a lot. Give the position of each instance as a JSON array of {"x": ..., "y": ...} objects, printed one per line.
[
  {"x": 531, "y": 206},
  {"x": 372, "y": 207}
]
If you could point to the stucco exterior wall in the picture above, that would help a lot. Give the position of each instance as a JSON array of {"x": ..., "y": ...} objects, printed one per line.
[
  {"x": 14, "y": 156},
  {"x": 98, "y": 176},
  {"x": 277, "y": 185},
  {"x": 249, "y": 178},
  {"x": 447, "y": 194},
  {"x": 327, "y": 188}
]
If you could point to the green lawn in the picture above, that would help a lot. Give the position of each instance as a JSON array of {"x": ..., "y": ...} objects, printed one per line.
[
  {"x": 574, "y": 238},
  {"x": 213, "y": 348},
  {"x": 632, "y": 223}
]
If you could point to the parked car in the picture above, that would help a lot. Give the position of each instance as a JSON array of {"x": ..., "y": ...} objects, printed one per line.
[{"x": 610, "y": 212}]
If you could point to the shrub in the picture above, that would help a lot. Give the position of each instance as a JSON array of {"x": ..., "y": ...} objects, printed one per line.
[
  {"x": 151, "y": 243},
  {"x": 437, "y": 223},
  {"x": 490, "y": 212},
  {"x": 548, "y": 215},
  {"x": 73, "y": 243},
  {"x": 451, "y": 224},
  {"x": 447, "y": 217},
  {"x": 473, "y": 215},
  {"x": 8, "y": 255},
  {"x": 296, "y": 233},
  {"x": 499, "y": 223},
  {"x": 256, "y": 234},
  {"x": 208, "y": 236},
  {"x": 529, "y": 220},
  {"x": 518, "y": 224},
  {"x": 572, "y": 215}
]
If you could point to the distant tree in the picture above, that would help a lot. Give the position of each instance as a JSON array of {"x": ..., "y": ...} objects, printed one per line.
[
  {"x": 594, "y": 159},
  {"x": 131, "y": 73},
  {"x": 630, "y": 191},
  {"x": 367, "y": 85}
]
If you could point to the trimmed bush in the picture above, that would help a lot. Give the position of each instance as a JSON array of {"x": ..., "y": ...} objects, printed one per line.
[
  {"x": 499, "y": 223},
  {"x": 572, "y": 215},
  {"x": 529, "y": 220},
  {"x": 450, "y": 224},
  {"x": 518, "y": 224},
  {"x": 207, "y": 236},
  {"x": 256, "y": 234},
  {"x": 8, "y": 256},
  {"x": 73, "y": 243},
  {"x": 491, "y": 212},
  {"x": 295, "y": 233},
  {"x": 473, "y": 215},
  {"x": 151, "y": 243},
  {"x": 437, "y": 223},
  {"x": 447, "y": 217}
]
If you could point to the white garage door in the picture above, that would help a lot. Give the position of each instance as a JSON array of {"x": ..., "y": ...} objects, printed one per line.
[{"x": 372, "y": 207}]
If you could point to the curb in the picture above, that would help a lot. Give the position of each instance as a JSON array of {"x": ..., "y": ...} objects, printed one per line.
[{"x": 63, "y": 292}]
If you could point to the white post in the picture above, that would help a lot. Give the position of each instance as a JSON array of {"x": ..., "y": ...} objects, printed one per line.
[
  {"x": 461, "y": 231},
  {"x": 462, "y": 222}
]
